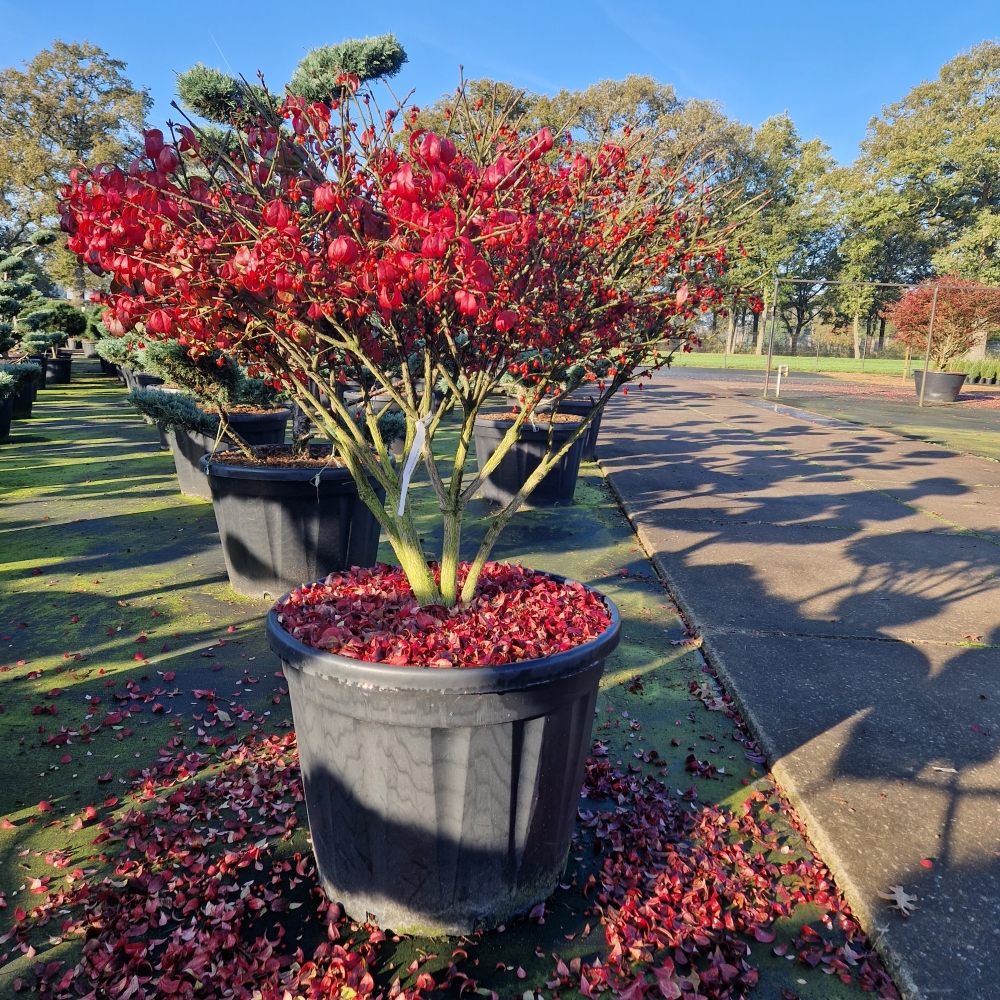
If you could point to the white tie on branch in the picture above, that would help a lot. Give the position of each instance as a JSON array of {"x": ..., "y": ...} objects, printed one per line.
[{"x": 419, "y": 434}]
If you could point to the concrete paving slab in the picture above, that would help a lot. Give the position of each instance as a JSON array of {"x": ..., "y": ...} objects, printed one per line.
[{"x": 862, "y": 638}]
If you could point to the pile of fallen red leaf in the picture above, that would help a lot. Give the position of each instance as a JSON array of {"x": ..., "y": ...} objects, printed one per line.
[
  {"x": 371, "y": 614},
  {"x": 683, "y": 887}
]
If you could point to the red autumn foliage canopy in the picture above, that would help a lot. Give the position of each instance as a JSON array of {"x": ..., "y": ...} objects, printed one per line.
[
  {"x": 964, "y": 312},
  {"x": 332, "y": 246}
]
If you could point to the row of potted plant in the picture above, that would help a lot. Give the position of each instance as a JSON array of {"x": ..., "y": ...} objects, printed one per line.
[{"x": 354, "y": 262}]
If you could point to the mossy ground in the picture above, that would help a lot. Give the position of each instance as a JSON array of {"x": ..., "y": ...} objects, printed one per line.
[{"x": 97, "y": 548}]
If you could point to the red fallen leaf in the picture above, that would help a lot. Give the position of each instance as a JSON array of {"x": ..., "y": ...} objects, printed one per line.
[
  {"x": 21, "y": 663},
  {"x": 66, "y": 760},
  {"x": 5, "y": 824},
  {"x": 77, "y": 823},
  {"x": 109, "y": 631},
  {"x": 89, "y": 812},
  {"x": 976, "y": 729},
  {"x": 926, "y": 863},
  {"x": 110, "y": 802},
  {"x": 75, "y": 618},
  {"x": 103, "y": 779},
  {"x": 781, "y": 950},
  {"x": 164, "y": 648},
  {"x": 55, "y": 692},
  {"x": 139, "y": 656},
  {"x": 142, "y": 638},
  {"x": 19, "y": 914},
  {"x": 169, "y": 675},
  {"x": 36, "y": 572},
  {"x": 425, "y": 981},
  {"x": 78, "y": 656},
  {"x": 157, "y": 708},
  {"x": 232, "y": 628},
  {"x": 763, "y": 935},
  {"x": 155, "y": 614},
  {"x": 113, "y": 719},
  {"x": 521, "y": 973}
]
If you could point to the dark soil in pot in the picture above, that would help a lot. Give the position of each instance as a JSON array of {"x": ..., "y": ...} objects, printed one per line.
[
  {"x": 942, "y": 387},
  {"x": 440, "y": 800},
  {"x": 58, "y": 371},
  {"x": 509, "y": 476},
  {"x": 6, "y": 414},
  {"x": 279, "y": 527}
]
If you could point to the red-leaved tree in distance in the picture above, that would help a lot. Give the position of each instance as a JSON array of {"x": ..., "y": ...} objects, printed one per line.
[
  {"x": 332, "y": 242},
  {"x": 965, "y": 310}
]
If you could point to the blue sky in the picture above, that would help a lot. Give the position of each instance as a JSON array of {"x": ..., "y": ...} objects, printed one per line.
[{"x": 831, "y": 65}]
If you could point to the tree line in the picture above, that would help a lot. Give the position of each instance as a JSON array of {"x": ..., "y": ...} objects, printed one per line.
[{"x": 921, "y": 199}]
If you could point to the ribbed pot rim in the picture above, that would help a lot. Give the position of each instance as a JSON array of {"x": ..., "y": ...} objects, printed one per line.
[
  {"x": 447, "y": 680},
  {"x": 220, "y": 470}
]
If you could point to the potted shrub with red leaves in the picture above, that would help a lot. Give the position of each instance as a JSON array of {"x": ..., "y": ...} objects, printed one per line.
[
  {"x": 965, "y": 312},
  {"x": 443, "y": 705}
]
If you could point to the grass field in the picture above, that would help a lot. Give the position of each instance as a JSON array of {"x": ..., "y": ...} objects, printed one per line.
[{"x": 802, "y": 362}]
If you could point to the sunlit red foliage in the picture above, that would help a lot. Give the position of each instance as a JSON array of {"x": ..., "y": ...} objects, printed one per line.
[
  {"x": 964, "y": 311},
  {"x": 334, "y": 246}
]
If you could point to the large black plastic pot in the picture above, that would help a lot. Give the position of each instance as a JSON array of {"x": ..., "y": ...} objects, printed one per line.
[
  {"x": 58, "y": 371},
  {"x": 579, "y": 404},
  {"x": 279, "y": 528},
  {"x": 107, "y": 368},
  {"x": 942, "y": 387},
  {"x": 189, "y": 447},
  {"x": 6, "y": 413},
  {"x": 441, "y": 799},
  {"x": 23, "y": 400},
  {"x": 503, "y": 484},
  {"x": 143, "y": 380}
]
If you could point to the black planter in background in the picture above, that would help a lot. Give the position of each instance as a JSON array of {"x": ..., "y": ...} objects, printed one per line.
[
  {"x": 6, "y": 414},
  {"x": 280, "y": 529},
  {"x": 942, "y": 387},
  {"x": 503, "y": 484},
  {"x": 58, "y": 371},
  {"x": 440, "y": 800},
  {"x": 143, "y": 380},
  {"x": 579, "y": 403},
  {"x": 107, "y": 368},
  {"x": 23, "y": 401},
  {"x": 189, "y": 446}
]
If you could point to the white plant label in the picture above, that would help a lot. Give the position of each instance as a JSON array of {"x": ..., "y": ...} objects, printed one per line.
[{"x": 412, "y": 458}]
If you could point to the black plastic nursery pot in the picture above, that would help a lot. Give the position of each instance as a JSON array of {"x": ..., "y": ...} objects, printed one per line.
[
  {"x": 579, "y": 403},
  {"x": 23, "y": 400},
  {"x": 509, "y": 476},
  {"x": 278, "y": 527},
  {"x": 6, "y": 414},
  {"x": 107, "y": 368},
  {"x": 942, "y": 387},
  {"x": 441, "y": 800},
  {"x": 143, "y": 380},
  {"x": 189, "y": 447},
  {"x": 58, "y": 371}
]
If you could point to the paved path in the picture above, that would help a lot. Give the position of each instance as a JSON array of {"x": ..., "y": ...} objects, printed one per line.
[{"x": 847, "y": 585}]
